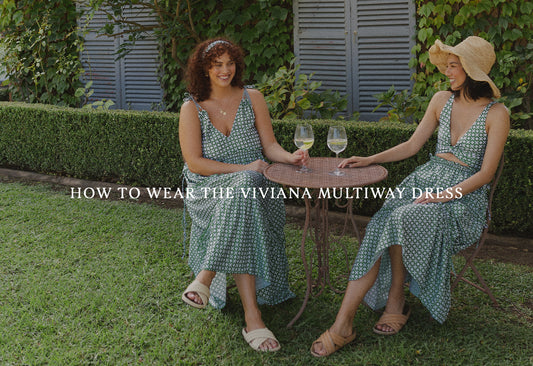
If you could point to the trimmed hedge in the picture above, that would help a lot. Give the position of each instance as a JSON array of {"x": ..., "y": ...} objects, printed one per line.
[
  {"x": 142, "y": 148},
  {"x": 126, "y": 147}
]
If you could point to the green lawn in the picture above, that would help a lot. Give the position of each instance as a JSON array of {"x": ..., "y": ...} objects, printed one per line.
[{"x": 99, "y": 282}]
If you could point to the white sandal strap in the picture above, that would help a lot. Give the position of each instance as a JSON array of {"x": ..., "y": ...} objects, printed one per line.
[
  {"x": 256, "y": 338},
  {"x": 202, "y": 291}
]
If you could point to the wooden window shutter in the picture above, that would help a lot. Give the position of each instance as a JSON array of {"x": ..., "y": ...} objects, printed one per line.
[
  {"x": 322, "y": 43},
  {"x": 132, "y": 81},
  {"x": 358, "y": 47},
  {"x": 383, "y": 41},
  {"x": 98, "y": 60},
  {"x": 141, "y": 87}
]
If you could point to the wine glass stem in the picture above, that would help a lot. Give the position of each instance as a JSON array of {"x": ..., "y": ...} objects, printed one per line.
[{"x": 337, "y": 167}]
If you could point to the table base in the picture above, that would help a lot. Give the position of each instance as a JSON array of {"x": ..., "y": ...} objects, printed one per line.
[{"x": 322, "y": 239}]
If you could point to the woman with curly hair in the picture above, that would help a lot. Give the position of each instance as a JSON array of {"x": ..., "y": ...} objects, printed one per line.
[{"x": 225, "y": 134}]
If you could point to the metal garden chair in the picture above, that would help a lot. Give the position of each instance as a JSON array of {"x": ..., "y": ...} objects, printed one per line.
[{"x": 482, "y": 286}]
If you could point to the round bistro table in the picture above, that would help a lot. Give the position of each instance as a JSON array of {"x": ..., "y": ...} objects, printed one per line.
[{"x": 321, "y": 187}]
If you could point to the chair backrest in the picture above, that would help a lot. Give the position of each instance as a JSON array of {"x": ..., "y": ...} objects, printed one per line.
[
  {"x": 493, "y": 185},
  {"x": 470, "y": 261}
]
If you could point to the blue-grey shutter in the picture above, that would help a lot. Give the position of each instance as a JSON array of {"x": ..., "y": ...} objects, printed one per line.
[
  {"x": 141, "y": 87},
  {"x": 132, "y": 81},
  {"x": 358, "y": 47},
  {"x": 321, "y": 43},
  {"x": 384, "y": 37},
  {"x": 98, "y": 60}
]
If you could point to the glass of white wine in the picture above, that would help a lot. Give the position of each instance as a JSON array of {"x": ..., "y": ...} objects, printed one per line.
[
  {"x": 304, "y": 139},
  {"x": 337, "y": 142}
]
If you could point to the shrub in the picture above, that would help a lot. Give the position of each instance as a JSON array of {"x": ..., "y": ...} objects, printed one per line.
[
  {"x": 139, "y": 148},
  {"x": 289, "y": 95},
  {"x": 40, "y": 50}
]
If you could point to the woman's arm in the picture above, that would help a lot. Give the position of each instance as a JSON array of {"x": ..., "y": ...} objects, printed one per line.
[
  {"x": 271, "y": 148},
  {"x": 190, "y": 135},
  {"x": 409, "y": 148},
  {"x": 497, "y": 127}
]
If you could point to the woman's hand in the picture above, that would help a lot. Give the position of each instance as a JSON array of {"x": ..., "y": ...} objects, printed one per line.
[
  {"x": 258, "y": 166},
  {"x": 355, "y": 162},
  {"x": 299, "y": 157},
  {"x": 427, "y": 197},
  {"x": 446, "y": 195}
]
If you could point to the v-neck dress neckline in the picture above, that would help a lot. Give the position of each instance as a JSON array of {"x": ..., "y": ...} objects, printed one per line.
[
  {"x": 244, "y": 92},
  {"x": 478, "y": 118},
  {"x": 470, "y": 147}
]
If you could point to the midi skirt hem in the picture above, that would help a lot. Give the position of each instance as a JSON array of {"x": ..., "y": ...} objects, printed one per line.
[{"x": 429, "y": 235}]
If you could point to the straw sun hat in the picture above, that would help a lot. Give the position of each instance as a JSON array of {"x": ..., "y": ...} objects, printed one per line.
[{"x": 476, "y": 55}]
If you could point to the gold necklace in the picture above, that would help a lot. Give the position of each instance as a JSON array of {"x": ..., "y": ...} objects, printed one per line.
[{"x": 220, "y": 110}]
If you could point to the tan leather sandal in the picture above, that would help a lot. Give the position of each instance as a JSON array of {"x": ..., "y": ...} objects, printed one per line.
[
  {"x": 395, "y": 321},
  {"x": 332, "y": 342}
]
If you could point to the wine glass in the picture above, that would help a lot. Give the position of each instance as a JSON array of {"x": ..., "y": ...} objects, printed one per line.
[
  {"x": 337, "y": 142},
  {"x": 303, "y": 139}
]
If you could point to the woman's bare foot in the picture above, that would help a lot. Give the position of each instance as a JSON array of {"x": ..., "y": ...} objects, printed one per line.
[
  {"x": 394, "y": 317},
  {"x": 193, "y": 296}
]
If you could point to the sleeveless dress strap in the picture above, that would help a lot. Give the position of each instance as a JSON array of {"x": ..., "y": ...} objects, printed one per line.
[
  {"x": 190, "y": 97},
  {"x": 246, "y": 95},
  {"x": 196, "y": 103},
  {"x": 490, "y": 105},
  {"x": 485, "y": 111}
]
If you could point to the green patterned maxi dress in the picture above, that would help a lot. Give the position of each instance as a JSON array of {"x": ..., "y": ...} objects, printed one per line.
[
  {"x": 233, "y": 232},
  {"x": 428, "y": 233}
]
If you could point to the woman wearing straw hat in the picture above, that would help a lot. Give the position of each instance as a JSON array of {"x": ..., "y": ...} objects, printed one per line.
[{"x": 413, "y": 237}]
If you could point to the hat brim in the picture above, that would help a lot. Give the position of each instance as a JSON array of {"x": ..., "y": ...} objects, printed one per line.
[{"x": 438, "y": 56}]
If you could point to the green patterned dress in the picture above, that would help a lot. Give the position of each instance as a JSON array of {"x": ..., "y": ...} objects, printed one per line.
[
  {"x": 428, "y": 233},
  {"x": 233, "y": 232}
]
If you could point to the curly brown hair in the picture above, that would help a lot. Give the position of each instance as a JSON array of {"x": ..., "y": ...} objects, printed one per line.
[{"x": 198, "y": 84}]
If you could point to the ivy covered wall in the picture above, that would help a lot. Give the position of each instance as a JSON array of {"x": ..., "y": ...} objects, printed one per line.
[
  {"x": 40, "y": 50},
  {"x": 508, "y": 25},
  {"x": 262, "y": 27}
]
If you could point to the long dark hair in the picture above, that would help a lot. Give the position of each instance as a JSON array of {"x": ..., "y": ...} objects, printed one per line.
[
  {"x": 474, "y": 89},
  {"x": 200, "y": 62}
]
